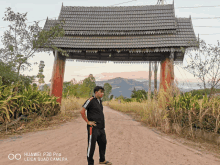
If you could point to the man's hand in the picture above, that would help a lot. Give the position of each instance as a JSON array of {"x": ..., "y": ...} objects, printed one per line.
[{"x": 91, "y": 123}]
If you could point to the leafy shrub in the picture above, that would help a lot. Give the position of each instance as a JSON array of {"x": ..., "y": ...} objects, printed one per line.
[
  {"x": 27, "y": 100},
  {"x": 140, "y": 95},
  {"x": 202, "y": 92},
  {"x": 128, "y": 100}
]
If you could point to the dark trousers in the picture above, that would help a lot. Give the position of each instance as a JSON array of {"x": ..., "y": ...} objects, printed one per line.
[{"x": 96, "y": 134}]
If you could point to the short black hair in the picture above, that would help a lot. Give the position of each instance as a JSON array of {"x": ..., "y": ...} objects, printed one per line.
[{"x": 97, "y": 88}]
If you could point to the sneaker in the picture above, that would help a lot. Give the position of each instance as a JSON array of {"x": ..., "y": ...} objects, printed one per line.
[{"x": 105, "y": 162}]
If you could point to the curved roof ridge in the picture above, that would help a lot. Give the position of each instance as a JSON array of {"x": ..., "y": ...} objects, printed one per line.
[{"x": 119, "y": 6}]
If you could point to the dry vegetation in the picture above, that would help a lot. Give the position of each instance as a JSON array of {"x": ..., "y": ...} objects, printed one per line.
[
  {"x": 69, "y": 110},
  {"x": 165, "y": 115}
]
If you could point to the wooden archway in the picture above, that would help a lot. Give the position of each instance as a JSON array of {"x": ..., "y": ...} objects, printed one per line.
[
  {"x": 166, "y": 72},
  {"x": 122, "y": 33}
]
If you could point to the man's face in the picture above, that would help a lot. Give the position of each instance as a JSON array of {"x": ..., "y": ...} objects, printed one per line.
[{"x": 100, "y": 93}]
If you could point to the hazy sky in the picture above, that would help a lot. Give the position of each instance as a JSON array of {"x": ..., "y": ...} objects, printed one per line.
[{"x": 41, "y": 9}]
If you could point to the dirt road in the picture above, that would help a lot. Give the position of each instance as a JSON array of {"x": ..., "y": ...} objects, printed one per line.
[{"x": 128, "y": 143}]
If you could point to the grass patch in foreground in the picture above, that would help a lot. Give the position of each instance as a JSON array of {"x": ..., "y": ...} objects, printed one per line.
[{"x": 70, "y": 109}]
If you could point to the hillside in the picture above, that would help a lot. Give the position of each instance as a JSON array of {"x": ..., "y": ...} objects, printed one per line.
[{"x": 122, "y": 86}]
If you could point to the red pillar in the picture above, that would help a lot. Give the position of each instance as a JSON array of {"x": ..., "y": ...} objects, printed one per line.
[
  {"x": 166, "y": 73},
  {"x": 166, "y": 76},
  {"x": 58, "y": 76}
]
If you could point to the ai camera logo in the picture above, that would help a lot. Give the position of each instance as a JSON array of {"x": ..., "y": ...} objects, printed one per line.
[{"x": 16, "y": 156}]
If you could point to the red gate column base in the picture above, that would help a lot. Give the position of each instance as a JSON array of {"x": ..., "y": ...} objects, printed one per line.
[
  {"x": 58, "y": 76},
  {"x": 166, "y": 78}
]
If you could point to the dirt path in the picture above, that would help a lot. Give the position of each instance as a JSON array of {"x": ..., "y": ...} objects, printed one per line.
[{"x": 128, "y": 143}]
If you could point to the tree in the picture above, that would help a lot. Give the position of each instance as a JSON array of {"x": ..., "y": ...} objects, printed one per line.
[
  {"x": 40, "y": 75},
  {"x": 84, "y": 91},
  {"x": 46, "y": 88},
  {"x": 108, "y": 90},
  {"x": 7, "y": 73},
  {"x": 74, "y": 81},
  {"x": 22, "y": 42},
  {"x": 139, "y": 95},
  {"x": 34, "y": 85},
  {"x": 78, "y": 89},
  {"x": 9, "y": 76},
  {"x": 111, "y": 97},
  {"x": 121, "y": 97},
  {"x": 90, "y": 83},
  {"x": 133, "y": 93},
  {"x": 70, "y": 89},
  {"x": 204, "y": 65}
]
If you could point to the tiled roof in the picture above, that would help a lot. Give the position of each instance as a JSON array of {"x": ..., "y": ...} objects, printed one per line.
[
  {"x": 123, "y": 27},
  {"x": 184, "y": 35},
  {"x": 117, "y": 20},
  {"x": 102, "y": 30}
]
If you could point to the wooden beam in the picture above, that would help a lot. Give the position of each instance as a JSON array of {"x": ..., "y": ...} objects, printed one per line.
[
  {"x": 119, "y": 58},
  {"x": 144, "y": 57},
  {"x": 99, "y": 54},
  {"x": 125, "y": 56}
]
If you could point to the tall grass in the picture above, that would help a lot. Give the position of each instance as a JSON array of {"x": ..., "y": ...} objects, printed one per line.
[
  {"x": 71, "y": 103},
  {"x": 172, "y": 112}
]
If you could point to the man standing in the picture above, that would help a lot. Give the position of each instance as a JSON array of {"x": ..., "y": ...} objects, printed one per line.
[{"x": 95, "y": 126}]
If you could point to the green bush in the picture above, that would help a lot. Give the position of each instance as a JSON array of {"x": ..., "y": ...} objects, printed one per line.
[
  {"x": 139, "y": 95},
  {"x": 202, "y": 92},
  {"x": 77, "y": 90},
  {"x": 186, "y": 101},
  {"x": 28, "y": 100},
  {"x": 127, "y": 100}
]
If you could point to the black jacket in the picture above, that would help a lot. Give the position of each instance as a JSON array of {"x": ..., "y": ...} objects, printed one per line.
[{"x": 95, "y": 112}]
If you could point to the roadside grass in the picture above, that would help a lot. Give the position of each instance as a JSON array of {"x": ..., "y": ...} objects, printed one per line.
[
  {"x": 70, "y": 110},
  {"x": 154, "y": 115},
  {"x": 166, "y": 114}
]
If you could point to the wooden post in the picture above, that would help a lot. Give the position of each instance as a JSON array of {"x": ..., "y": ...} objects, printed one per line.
[
  {"x": 167, "y": 73},
  {"x": 167, "y": 76},
  {"x": 56, "y": 87},
  {"x": 149, "y": 89},
  {"x": 155, "y": 78}
]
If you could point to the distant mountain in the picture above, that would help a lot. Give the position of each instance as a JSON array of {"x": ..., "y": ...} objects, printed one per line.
[{"x": 123, "y": 86}]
